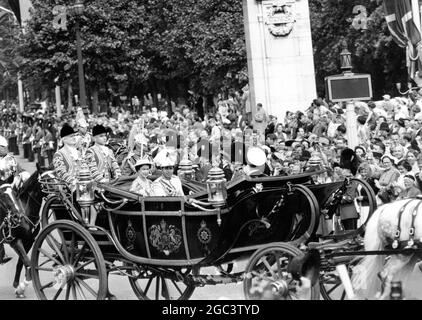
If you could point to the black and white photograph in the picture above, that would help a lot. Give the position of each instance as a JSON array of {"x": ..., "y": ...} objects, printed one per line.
[{"x": 221, "y": 153}]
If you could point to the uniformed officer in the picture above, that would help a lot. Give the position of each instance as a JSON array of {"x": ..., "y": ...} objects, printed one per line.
[
  {"x": 67, "y": 159},
  {"x": 10, "y": 172},
  {"x": 101, "y": 161},
  {"x": 167, "y": 185}
]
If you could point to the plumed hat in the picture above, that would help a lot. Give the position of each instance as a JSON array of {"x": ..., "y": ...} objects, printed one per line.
[
  {"x": 166, "y": 158},
  {"x": 349, "y": 160},
  {"x": 82, "y": 123},
  {"x": 141, "y": 139},
  {"x": 66, "y": 131},
  {"x": 98, "y": 129}
]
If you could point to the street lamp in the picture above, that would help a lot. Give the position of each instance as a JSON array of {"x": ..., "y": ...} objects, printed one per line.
[
  {"x": 78, "y": 10},
  {"x": 346, "y": 59}
]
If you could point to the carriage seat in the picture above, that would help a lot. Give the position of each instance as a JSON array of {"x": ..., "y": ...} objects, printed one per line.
[{"x": 124, "y": 182}]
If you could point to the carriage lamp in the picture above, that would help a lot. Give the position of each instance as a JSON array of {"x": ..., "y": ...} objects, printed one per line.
[
  {"x": 186, "y": 169},
  {"x": 85, "y": 191},
  {"x": 216, "y": 187}
]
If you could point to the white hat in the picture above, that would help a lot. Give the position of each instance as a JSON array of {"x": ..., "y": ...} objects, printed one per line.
[
  {"x": 386, "y": 97},
  {"x": 3, "y": 142},
  {"x": 143, "y": 161},
  {"x": 166, "y": 158},
  {"x": 256, "y": 156}
]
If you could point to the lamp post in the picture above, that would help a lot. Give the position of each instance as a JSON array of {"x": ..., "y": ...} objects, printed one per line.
[
  {"x": 78, "y": 10},
  {"x": 351, "y": 124}
]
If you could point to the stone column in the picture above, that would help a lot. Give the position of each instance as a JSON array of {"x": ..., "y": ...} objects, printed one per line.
[
  {"x": 280, "y": 55},
  {"x": 58, "y": 102},
  {"x": 351, "y": 126}
]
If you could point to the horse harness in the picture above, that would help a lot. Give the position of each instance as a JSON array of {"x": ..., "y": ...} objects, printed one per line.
[
  {"x": 10, "y": 222},
  {"x": 411, "y": 243},
  {"x": 14, "y": 220}
]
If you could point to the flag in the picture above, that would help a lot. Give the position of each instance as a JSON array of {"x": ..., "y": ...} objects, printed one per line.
[
  {"x": 399, "y": 15},
  {"x": 394, "y": 25}
]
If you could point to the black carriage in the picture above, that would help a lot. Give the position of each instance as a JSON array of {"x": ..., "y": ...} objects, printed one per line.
[{"x": 162, "y": 244}]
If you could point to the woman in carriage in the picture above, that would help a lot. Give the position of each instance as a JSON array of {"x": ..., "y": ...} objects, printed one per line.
[{"x": 142, "y": 185}]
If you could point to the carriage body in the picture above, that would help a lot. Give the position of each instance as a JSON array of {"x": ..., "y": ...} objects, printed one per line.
[
  {"x": 177, "y": 232},
  {"x": 163, "y": 236}
]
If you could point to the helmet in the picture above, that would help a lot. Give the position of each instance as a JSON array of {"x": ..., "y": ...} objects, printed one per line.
[{"x": 3, "y": 142}]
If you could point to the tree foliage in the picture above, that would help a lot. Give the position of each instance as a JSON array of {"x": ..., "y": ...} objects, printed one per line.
[
  {"x": 373, "y": 50},
  {"x": 129, "y": 43},
  {"x": 170, "y": 46}
]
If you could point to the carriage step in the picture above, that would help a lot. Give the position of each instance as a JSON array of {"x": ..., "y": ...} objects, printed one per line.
[{"x": 202, "y": 280}]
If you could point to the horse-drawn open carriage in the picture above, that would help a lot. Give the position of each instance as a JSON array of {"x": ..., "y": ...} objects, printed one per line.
[{"x": 162, "y": 244}]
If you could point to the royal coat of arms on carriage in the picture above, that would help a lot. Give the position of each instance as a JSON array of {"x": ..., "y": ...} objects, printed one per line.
[
  {"x": 165, "y": 238},
  {"x": 280, "y": 18}
]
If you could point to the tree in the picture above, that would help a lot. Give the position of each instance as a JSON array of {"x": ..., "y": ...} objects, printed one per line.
[
  {"x": 9, "y": 60},
  {"x": 113, "y": 37},
  {"x": 374, "y": 50}
]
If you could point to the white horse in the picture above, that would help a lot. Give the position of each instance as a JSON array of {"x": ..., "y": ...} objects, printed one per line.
[{"x": 381, "y": 233}]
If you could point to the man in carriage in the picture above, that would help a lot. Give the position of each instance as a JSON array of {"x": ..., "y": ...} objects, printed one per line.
[
  {"x": 10, "y": 173},
  {"x": 168, "y": 184},
  {"x": 101, "y": 161},
  {"x": 66, "y": 159}
]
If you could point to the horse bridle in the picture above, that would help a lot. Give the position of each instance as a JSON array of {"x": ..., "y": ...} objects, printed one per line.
[
  {"x": 11, "y": 221},
  {"x": 411, "y": 240}
]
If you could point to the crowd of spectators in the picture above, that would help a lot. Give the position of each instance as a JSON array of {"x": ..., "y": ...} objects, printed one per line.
[{"x": 388, "y": 154}]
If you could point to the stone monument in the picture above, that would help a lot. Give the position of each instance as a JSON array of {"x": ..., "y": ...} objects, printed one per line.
[{"x": 280, "y": 55}]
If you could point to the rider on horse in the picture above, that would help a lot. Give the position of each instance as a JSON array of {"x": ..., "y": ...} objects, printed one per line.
[{"x": 11, "y": 173}]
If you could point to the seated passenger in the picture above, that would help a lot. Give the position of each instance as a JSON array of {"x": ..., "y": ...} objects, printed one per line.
[
  {"x": 142, "y": 185},
  {"x": 256, "y": 159},
  {"x": 167, "y": 185}
]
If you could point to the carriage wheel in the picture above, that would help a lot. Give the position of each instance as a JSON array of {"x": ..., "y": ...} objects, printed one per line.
[
  {"x": 331, "y": 286},
  {"x": 49, "y": 211},
  {"x": 66, "y": 263},
  {"x": 267, "y": 269},
  {"x": 151, "y": 284},
  {"x": 305, "y": 221}
]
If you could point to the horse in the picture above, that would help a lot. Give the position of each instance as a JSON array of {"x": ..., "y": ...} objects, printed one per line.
[
  {"x": 22, "y": 209},
  {"x": 30, "y": 195},
  {"x": 393, "y": 226}
]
